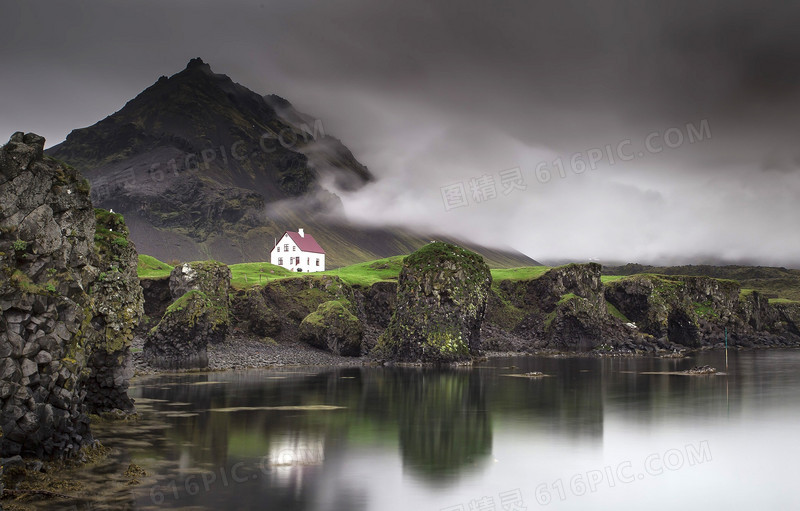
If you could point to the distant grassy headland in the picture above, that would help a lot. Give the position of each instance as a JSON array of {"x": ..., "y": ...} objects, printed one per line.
[{"x": 779, "y": 284}]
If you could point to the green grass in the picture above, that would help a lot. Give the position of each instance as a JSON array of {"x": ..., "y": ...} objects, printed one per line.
[
  {"x": 523, "y": 273},
  {"x": 567, "y": 297},
  {"x": 361, "y": 274},
  {"x": 149, "y": 267},
  {"x": 366, "y": 274},
  {"x": 782, "y": 300},
  {"x": 605, "y": 279},
  {"x": 250, "y": 274}
]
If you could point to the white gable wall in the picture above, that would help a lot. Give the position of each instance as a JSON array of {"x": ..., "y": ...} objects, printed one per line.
[{"x": 286, "y": 254}]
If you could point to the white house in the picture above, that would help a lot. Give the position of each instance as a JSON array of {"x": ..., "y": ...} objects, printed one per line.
[{"x": 298, "y": 251}]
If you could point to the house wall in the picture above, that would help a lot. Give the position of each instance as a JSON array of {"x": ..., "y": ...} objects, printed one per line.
[{"x": 307, "y": 259}]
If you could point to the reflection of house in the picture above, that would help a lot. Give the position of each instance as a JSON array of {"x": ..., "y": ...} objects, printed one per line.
[{"x": 298, "y": 251}]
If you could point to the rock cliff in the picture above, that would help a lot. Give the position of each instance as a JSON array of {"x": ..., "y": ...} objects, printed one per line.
[
  {"x": 198, "y": 315},
  {"x": 697, "y": 311},
  {"x": 442, "y": 290},
  {"x": 69, "y": 298}
]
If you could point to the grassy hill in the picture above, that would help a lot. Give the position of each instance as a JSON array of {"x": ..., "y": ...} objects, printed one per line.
[
  {"x": 360, "y": 274},
  {"x": 779, "y": 284}
]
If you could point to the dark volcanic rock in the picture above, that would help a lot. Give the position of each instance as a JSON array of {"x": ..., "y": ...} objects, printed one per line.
[
  {"x": 682, "y": 329},
  {"x": 181, "y": 338},
  {"x": 69, "y": 298},
  {"x": 441, "y": 302},
  {"x": 252, "y": 314},
  {"x": 199, "y": 315},
  {"x": 700, "y": 311},
  {"x": 333, "y": 327},
  {"x": 210, "y": 277},
  {"x": 565, "y": 309},
  {"x": 157, "y": 298},
  {"x": 380, "y": 301},
  {"x": 118, "y": 308},
  {"x": 292, "y": 299}
]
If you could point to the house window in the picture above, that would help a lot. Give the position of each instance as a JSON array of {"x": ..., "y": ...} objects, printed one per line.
[
  {"x": 286, "y": 247},
  {"x": 279, "y": 248},
  {"x": 294, "y": 248},
  {"x": 280, "y": 260},
  {"x": 317, "y": 261},
  {"x": 298, "y": 260},
  {"x": 308, "y": 260}
]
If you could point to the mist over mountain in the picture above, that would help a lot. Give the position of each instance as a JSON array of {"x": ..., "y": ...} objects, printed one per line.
[{"x": 203, "y": 167}]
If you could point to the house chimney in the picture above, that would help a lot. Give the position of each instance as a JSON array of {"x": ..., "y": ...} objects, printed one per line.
[{"x": 301, "y": 233}]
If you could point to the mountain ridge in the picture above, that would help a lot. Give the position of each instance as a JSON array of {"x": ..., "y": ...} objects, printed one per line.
[{"x": 203, "y": 167}]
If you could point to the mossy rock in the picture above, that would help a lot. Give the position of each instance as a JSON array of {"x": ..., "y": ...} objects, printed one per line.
[
  {"x": 442, "y": 294},
  {"x": 333, "y": 327},
  {"x": 181, "y": 338}
]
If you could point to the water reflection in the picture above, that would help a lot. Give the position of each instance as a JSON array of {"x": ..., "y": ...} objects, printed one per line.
[
  {"x": 430, "y": 439},
  {"x": 444, "y": 421}
]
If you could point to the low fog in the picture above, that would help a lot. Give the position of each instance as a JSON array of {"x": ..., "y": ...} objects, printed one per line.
[{"x": 683, "y": 114}]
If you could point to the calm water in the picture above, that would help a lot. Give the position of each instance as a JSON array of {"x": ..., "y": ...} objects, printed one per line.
[{"x": 593, "y": 434}]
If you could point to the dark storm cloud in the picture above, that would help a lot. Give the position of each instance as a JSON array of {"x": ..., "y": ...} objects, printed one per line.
[{"x": 434, "y": 93}]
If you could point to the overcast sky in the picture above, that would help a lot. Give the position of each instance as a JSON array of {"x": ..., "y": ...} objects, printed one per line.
[{"x": 687, "y": 110}]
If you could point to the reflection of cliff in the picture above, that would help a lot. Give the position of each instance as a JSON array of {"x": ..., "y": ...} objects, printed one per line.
[
  {"x": 443, "y": 420},
  {"x": 570, "y": 399}
]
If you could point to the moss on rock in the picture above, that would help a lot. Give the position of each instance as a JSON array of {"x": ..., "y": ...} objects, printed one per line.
[
  {"x": 333, "y": 327},
  {"x": 199, "y": 314},
  {"x": 442, "y": 294}
]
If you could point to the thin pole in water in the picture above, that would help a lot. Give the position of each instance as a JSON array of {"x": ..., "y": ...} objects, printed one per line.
[
  {"x": 727, "y": 393},
  {"x": 726, "y": 349}
]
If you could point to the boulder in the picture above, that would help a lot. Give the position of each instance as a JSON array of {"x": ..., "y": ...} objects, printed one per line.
[
  {"x": 181, "y": 338},
  {"x": 333, "y": 327},
  {"x": 210, "y": 277},
  {"x": 441, "y": 301},
  {"x": 200, "y": 315}
]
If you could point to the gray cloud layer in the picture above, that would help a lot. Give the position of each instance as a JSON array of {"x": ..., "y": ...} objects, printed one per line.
[{"x": 430, "y": 94}]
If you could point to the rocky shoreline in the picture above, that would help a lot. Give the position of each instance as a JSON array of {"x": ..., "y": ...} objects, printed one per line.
[
  {"x": 242, "y": 351},
  {"x": 247, "y": 352}
]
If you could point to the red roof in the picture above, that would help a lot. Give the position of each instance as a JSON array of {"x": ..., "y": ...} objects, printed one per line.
[{"x": 305, "y": 243}]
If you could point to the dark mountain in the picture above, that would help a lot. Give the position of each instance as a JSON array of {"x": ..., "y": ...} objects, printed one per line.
[{"x": 203, "y": 167}]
